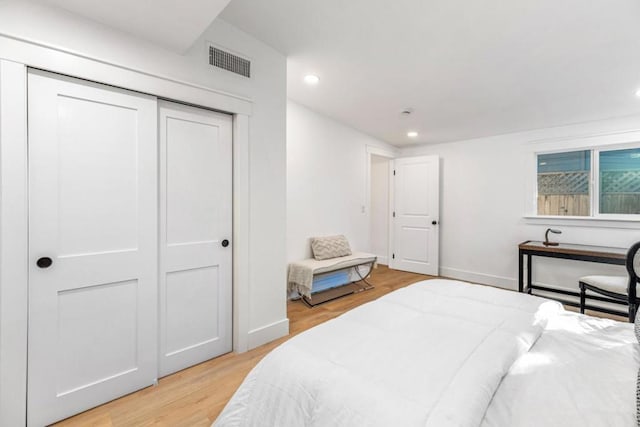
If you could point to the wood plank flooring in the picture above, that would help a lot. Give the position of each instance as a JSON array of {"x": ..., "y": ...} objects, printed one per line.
[{"x": 195, "y": 396}]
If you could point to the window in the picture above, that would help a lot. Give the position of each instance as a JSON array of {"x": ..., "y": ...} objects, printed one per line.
[
  {"x": 567, "y": 186},
  {"x": 563, "y": 183},
  {"x": 619, "y": 181}
]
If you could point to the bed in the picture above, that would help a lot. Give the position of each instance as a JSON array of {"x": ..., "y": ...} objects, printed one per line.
[{"x": 447, "y": 353}]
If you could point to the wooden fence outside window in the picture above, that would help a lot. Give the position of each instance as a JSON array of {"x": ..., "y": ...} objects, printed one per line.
[{"x": 567, "y": 193}]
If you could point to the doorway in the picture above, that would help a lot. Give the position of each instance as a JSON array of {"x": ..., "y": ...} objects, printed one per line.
[{"x": 379, "y": 175}]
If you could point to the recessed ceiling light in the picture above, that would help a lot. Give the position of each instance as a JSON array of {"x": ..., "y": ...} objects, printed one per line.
[
  {"x": 311, "y": 79},
  {"x": 412, "y": 134}
]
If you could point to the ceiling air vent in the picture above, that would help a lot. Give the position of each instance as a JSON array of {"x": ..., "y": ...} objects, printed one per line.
[{"x": 230, "y": 62}]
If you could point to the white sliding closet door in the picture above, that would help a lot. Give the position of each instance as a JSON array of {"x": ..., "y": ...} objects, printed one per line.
[
  {"x": 195, "y": 235},
  {"x": 92, "y": 245}
]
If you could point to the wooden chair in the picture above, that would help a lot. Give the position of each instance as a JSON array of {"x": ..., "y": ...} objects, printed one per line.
[{"x": 616, "y": 289}]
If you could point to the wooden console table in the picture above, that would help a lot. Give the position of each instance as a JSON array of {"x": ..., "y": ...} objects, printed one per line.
[{"x": 599, "y": 254}]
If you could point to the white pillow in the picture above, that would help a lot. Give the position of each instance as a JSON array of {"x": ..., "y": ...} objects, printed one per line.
[{"x": 330, "y": 247}]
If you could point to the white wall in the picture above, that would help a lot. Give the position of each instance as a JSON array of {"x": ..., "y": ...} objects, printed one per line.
[
  {"x": 483, "y": 203},
  {"x": 380, "y": 208},
  {"x": 326, "y": 181},
  {"x": 61, "y": 30}
]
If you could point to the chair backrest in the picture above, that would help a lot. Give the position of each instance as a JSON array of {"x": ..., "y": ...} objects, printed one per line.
[
  {"x": 633, "y": 261},
  {"x": 633, "y": 268}
]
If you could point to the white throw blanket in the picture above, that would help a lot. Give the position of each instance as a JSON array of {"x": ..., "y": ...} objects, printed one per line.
[{"x": 431, "y": 354}]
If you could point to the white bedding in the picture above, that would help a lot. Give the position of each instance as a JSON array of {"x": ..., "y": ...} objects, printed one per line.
[
  {"x": 431, "y": 354},
  {"x": 581, "y": 372}
]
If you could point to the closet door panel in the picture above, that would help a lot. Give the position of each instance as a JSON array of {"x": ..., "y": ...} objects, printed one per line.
[
  {"x": 92, "y": 245},
  {"x": 194, "y": 185},
  {"x": 97, "y": 164},
  {"x": 195, "y": 217},
  {"x": 199, "y": 289}
]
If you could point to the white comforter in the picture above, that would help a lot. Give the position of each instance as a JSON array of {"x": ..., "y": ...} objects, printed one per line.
[
  {"x": 581, "y": 372},
  {"x": 431, "y": 354}
]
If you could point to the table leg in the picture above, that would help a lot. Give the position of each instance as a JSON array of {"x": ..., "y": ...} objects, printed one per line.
[
  {"x": 520, "y": 272},
  {"x": 528, "y": 273}
]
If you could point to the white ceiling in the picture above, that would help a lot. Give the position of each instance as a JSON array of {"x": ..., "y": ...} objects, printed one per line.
[
  {"x": 467, "y": 68},
  {"x": 173, "y": 24}
]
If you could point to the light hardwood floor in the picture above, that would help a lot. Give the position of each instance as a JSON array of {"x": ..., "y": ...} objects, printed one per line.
[{"x": 195, "y": 396}]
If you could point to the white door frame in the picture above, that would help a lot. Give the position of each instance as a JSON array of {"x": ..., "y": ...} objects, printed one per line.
[
  {"x": 380, "y": 152},
  {"x": 13, "y": 243},
  {"x": 19, "y": 54}
]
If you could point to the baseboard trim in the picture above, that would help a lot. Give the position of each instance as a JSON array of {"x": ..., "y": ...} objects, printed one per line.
[
  {"x": 268, "y": 333},
  {"x": 485, "y": 279},
  {"x": 383, "y": 259}
]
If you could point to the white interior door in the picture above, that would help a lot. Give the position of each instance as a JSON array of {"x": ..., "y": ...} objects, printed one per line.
[
  {"x": 92, "y": 245},
  {"x": 415, "y": 221},
  {"x": 195, "y": 236}
]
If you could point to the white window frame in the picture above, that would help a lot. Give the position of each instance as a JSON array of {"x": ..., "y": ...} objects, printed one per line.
[
  {"x": 595, "y": 144},
  {"x": 594, "y": 184}
]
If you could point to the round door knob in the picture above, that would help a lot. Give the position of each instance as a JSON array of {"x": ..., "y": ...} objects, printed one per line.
[
  {"x": 434, "y": 222},
  {"x": 225, "y": 243},
  {"x": 44, "y": 262}
]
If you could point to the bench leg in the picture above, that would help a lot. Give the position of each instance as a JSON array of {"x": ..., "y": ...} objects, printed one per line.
[
  {"x": 364, "y": 278},
  {"x": 583, "y": 296}
]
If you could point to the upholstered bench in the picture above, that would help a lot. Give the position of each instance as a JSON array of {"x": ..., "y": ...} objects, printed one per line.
[{"x": 331, "y": 254}]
